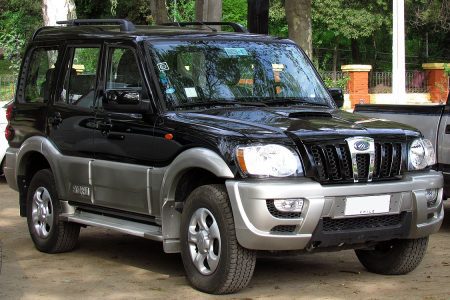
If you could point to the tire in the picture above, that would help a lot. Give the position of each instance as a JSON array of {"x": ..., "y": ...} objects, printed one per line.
[
  {"x": 394, "y": 257},
  {"x": 2, "y": 165},
  {"x": 223, "y": 266},
  {"x": 48, "y": 233}
]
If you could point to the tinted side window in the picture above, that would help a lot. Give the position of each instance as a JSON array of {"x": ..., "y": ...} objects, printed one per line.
[
  {"x": 123, "y": 71},
  {"x": 80, "y": 77},
  {"x": 40, "y": 75}
]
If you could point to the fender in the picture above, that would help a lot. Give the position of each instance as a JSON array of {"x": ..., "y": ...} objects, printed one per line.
[
  {"x": 45, "y": 147},
  {"x": 192, "y": 158}
]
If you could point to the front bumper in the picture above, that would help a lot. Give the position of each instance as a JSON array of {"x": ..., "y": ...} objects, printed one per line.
[{"x": 255, "y": 224}]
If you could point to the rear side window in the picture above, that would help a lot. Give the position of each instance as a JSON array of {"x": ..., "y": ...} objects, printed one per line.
[
  {"x": 40, "y": 75},
  {"x": 80, "y": 77}
]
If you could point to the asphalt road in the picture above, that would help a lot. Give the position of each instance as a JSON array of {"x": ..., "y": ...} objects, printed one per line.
[{"x": 112, "y": 265}]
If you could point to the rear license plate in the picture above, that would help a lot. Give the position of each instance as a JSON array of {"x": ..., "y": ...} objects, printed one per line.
[{"x": 367, "y": 205}]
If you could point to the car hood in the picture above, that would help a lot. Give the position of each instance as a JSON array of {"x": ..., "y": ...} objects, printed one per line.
[{"x": 305, "y": 123}]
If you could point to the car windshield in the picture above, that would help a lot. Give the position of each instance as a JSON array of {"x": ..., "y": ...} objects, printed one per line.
[{"x": 198, "y": 74}]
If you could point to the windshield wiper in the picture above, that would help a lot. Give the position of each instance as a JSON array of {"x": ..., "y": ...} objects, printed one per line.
[
  {"x": 214, "y": 103},
  {"x": 296, "y": 101}
]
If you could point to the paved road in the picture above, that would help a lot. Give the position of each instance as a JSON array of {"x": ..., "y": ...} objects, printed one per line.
[{"x": 111, "y": 265}]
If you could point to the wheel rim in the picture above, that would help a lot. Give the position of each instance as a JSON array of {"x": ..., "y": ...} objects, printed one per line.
[
  {"x": 42, "y": 212},
  {"x": 204, "y": 241}
]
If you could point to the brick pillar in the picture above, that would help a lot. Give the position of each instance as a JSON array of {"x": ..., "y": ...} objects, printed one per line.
[
  {"x": 358, "y": 85},
  {"x": 437, "y": 81}
]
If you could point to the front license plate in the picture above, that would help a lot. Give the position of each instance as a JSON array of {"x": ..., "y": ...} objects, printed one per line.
[{"x": 367, "y": 205}]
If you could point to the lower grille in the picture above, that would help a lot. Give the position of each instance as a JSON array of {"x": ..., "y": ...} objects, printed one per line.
[
  {"x": 361, "y": 222},
  {"x": 283, "y": 229}
]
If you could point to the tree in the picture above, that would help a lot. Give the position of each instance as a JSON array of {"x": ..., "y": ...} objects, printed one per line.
[
  {"x": 351, "y": 20},
  {"x": 208, "y": 10},
  {"x": 434, "y": 14},
  {"x": 159, "y": 11},
  {"x": 298, "y": 15},
  {"x": 57, "y": 10}
]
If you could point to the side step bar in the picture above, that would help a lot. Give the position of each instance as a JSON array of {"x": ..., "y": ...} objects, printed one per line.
[{"x": 147, "y": 231}]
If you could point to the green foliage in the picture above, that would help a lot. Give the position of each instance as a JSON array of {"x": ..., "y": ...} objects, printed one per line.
[
  {"x": 338, "y": 83},
  {"x": 137, "y": 11},
  {"x": 351, "y": 19},
  {"x": 433, "y": 15},
  {"x": 447, "y": 70},
  {"x": 277, "y": 19},
  {"x": 183, "y": 11},
  {"x": 235, "y": 11},
  {"x": 18, "y": 20}
]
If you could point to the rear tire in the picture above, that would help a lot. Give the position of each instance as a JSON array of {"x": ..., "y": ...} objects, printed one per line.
[
  {"x": 394, "y": 257},
  {"x": 48, "y": 233},
  {"x": 212, "y": 257},
  {"x": 2, "y": 165}
]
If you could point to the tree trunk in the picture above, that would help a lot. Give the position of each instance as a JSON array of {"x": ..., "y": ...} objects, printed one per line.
[
  {"x": 208, "y": 10},
  {"x": 335, "y": 59},
  {"x": 298, "y": 15},
  {"x": 356, "y": 54},
  {"x": 58, "y": 10},
  {"x": 159, "y": 11}
]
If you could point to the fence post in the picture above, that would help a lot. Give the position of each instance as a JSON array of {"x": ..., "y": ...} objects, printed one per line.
[
  {"x": 358, "y": 85},
  {"x": 437, "y": 81}
]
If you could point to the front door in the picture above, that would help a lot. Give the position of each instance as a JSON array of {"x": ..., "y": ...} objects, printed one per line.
[{"x": 121, "y": 173}]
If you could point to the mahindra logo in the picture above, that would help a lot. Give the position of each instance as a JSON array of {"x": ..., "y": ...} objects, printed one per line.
[{"x": 361, "y": 145}]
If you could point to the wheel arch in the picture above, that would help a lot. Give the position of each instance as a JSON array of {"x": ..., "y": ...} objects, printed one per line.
[
  {"x": 192, "y": 168},
  {"x": 35, "y": 154}
]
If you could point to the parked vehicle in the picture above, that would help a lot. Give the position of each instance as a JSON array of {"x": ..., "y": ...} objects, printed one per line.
[
  {"x": 432, "y": 120},
  {"x": 3, "y": 141},
  {"x": 218, "y": 144}
]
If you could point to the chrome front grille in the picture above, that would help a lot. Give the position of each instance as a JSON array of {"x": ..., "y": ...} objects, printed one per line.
[{"x": 332, "y": 162}]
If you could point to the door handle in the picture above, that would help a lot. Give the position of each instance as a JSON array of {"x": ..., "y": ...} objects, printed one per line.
[
  {"x": 105, "y": 126},
  {"x": 56, "y": 119}
]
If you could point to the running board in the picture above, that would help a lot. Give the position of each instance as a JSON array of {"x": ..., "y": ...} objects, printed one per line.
[{"x": 147, "y": 231}]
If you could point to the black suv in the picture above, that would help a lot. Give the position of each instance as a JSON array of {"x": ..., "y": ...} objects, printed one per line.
[{"x": 215, "y": 143}]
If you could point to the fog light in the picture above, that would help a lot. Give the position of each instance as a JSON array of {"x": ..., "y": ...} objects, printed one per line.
[
  {"x": 431, "y": 196},
  {"x": 288, "y": 205}
]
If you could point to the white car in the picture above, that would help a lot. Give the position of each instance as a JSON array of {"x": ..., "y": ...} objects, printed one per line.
[{"x": 3, "y": 141}]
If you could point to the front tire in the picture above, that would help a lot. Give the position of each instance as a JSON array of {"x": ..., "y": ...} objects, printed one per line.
[
  {"x": 394, "y": 257},
  {"x": 48, "y": 233},
  {"x": 212, "y": 257}
]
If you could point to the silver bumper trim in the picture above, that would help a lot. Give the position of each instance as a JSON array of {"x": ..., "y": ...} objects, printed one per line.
[{"x": 254, "y": 222}]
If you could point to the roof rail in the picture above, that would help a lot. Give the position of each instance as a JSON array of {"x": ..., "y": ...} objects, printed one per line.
[
  {"x": 236, "y": 26},
  {"x": 125, "y": 25},
  {"x": 39, "y": 30}
]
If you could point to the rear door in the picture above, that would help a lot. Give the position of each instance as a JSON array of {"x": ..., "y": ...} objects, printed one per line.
[
  {"x": 34, "y": 91},
  {"x": 71, "y": 119}
]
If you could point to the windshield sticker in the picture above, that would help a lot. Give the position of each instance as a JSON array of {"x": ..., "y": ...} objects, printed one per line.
[
  {"x": 170, "y": 90},
  {"x": 236, "y": 51},
  {"x": 164, "y": 81},
  {"x": 190, "y": 92},
  {"x": 163, "y": 66}
]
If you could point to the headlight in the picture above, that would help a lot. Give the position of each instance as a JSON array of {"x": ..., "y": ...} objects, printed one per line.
[
  {"x": 421, "y": 154},
  {"x": 268, "y": 160}
]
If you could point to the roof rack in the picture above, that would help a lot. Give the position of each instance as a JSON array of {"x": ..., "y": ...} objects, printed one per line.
[
  {"x": 236, "y": 26},
  {"x": 125, "y": 25}
]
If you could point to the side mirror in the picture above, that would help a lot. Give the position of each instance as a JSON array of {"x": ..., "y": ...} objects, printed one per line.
[
  {"x": 126, "y": 101},
  {"x": 338, "y": 96}
]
